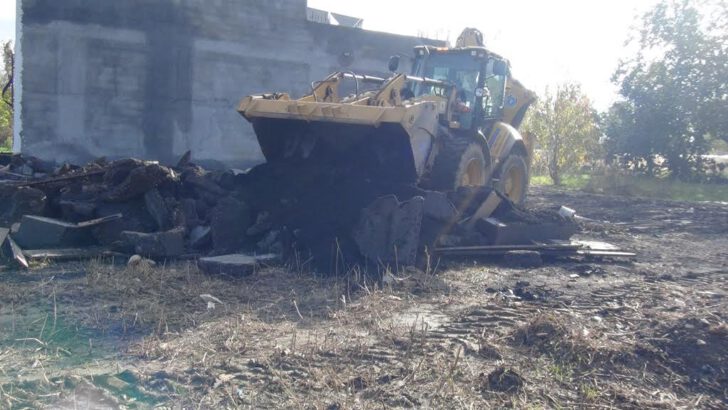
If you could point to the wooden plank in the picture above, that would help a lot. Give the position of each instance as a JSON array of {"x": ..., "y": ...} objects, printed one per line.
[
  {"x": 507, "y": 248},
  {"x": 63, "y": 178},
  {"x": 17, "y": 253},
  {"x": 64, "y": 254},
  {"x": 596, "y": 252}
]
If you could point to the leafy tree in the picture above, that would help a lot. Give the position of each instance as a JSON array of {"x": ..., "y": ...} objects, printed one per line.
[
  {"x": 6, "y": 99},
  {"x": 675, "y": 88},
  {"x": 566, "y": 126}
]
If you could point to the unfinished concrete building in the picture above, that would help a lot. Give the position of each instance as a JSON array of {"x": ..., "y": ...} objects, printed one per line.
[{"x": 155, "y": 78}]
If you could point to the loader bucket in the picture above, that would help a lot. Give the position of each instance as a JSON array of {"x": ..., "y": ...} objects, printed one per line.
[{"x": 381, "y": 151}]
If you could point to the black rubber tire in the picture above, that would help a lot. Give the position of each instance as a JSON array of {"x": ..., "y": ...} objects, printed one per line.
[
  {"x": 515, "y": 166},
  {"x": 454, "y": 155}
]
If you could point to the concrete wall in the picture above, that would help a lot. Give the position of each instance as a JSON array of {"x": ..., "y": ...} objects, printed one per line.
[{"x": 154, "y": 78}]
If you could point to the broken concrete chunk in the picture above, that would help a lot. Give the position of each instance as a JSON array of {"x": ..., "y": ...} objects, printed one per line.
[
  {"x": 439, "y": 207},
  {"x": 389, "y": 232},
  {"x": 196, "y": 178},
  {"x": 157, "y": 245},
  {"x": 139, "y": 181},
  {"x": 28, "y": 200},
  {"x": 234, "y": 264},
  {"x": 204, "y": 209},
  {"x": 77, "y": 208},
  {"x": 438, "y": 220},
  {"x": 188, "y": 207},
  {"x": 19, "y": 201},
  {"x": 38, "y": 232},
  {"x": 158, "y": 209},
  {"x": 175, "y": 213},
  {"x": 230, "y": 221},
  {"x": 136, "y": 219},
  {"x": 373, "y": 231},
  {"x": 119, "y": 170},
  {"x": 406, "y": 226},
  {"x": 517, "y": 233},
  {"x": 262, "y": 224}
]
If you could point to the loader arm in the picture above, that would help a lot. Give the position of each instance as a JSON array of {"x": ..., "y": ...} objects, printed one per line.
[
  {"x": 397, "y": 134},
  {"x": 452, "y": 122}
]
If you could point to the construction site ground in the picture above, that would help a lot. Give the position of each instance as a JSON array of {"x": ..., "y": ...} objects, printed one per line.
[{"x": 650, "y": 333}]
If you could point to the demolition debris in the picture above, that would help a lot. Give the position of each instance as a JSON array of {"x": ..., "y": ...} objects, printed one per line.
[{"x": 223, "y": 219}]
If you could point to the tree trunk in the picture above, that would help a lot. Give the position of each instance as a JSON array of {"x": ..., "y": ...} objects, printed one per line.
[
  {"x": 554, "y": 162},
  {"x": 555, "y": 175}
]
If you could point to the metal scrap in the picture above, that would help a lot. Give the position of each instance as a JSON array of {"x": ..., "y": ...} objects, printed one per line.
[{"x": 573, "y": 248}]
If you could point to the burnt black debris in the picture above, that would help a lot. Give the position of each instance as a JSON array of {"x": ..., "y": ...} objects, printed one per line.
[{"x": 324, "y": 216}]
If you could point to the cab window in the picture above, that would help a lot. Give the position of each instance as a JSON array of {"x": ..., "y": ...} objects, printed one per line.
[{"x": 496, "y": 85}]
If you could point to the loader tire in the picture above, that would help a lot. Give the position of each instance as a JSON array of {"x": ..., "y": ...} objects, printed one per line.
[
  {"x": 513, "y": 179},
  {"x": 461, "y": 161}
]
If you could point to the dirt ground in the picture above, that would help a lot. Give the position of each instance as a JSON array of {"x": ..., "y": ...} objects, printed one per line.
[{"x": 648, "y": 333}]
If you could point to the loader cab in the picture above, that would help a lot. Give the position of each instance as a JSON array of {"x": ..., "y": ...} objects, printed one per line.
[
  {"x": 478, "y": 75},
  {"x": 494, "y": 81}
]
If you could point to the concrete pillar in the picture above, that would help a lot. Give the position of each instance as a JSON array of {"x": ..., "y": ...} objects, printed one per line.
[{"x": 18, "y": 80}]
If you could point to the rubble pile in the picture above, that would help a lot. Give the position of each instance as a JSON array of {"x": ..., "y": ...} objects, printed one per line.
[{"x": 318, "y": 214}]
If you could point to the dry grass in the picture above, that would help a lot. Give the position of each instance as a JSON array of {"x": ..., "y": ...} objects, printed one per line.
[
  {"x": 648, "y": 335},
  {"x": 297, "y": 341}
]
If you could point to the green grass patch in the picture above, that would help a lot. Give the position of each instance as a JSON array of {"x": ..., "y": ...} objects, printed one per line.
[
  {"x": 661, "y": 188},
  {"x": 640, "y": 186},
  {"x": 578, "y": 181}
]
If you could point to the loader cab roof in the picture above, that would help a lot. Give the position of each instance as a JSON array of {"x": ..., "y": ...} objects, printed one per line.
[{"x": 482, "y": 52}]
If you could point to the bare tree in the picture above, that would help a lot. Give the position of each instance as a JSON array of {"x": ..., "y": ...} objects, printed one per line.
[{"x": 6, "y": 106}]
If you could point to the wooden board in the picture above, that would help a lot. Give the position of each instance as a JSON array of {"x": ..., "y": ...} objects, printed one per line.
[{"x": 17, "y": 253}]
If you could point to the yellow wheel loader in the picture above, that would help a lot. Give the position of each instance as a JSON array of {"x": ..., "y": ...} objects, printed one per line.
[{"x": 452, "y": 122}]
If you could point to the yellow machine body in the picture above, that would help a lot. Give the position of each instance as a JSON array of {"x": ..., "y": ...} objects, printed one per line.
[{"x": 404, "y": 122}]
